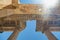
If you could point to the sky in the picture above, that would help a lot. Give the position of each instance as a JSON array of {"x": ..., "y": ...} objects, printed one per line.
[{"x": 29, "y": 32}]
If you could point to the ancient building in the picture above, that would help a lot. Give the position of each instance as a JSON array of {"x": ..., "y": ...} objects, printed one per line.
[{"x": 13, "y": 17}]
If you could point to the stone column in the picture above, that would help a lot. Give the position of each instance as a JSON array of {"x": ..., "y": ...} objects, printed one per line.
[
  {"x": 14, "y": 35},
  {"x": 50, "y": 35},
  {"x": 20, "y": 26}
]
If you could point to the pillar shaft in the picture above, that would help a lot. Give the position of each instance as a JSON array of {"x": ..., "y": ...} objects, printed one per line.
[
  {"x": 50, "y": 35},
  {"x": 20, "y": 27},
  {"x": 14, "y": 35}
]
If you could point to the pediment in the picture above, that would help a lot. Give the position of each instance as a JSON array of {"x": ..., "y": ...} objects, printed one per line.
[
  {"x": 9, "y": 7},
  {"x": 4, "y": 3}
]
